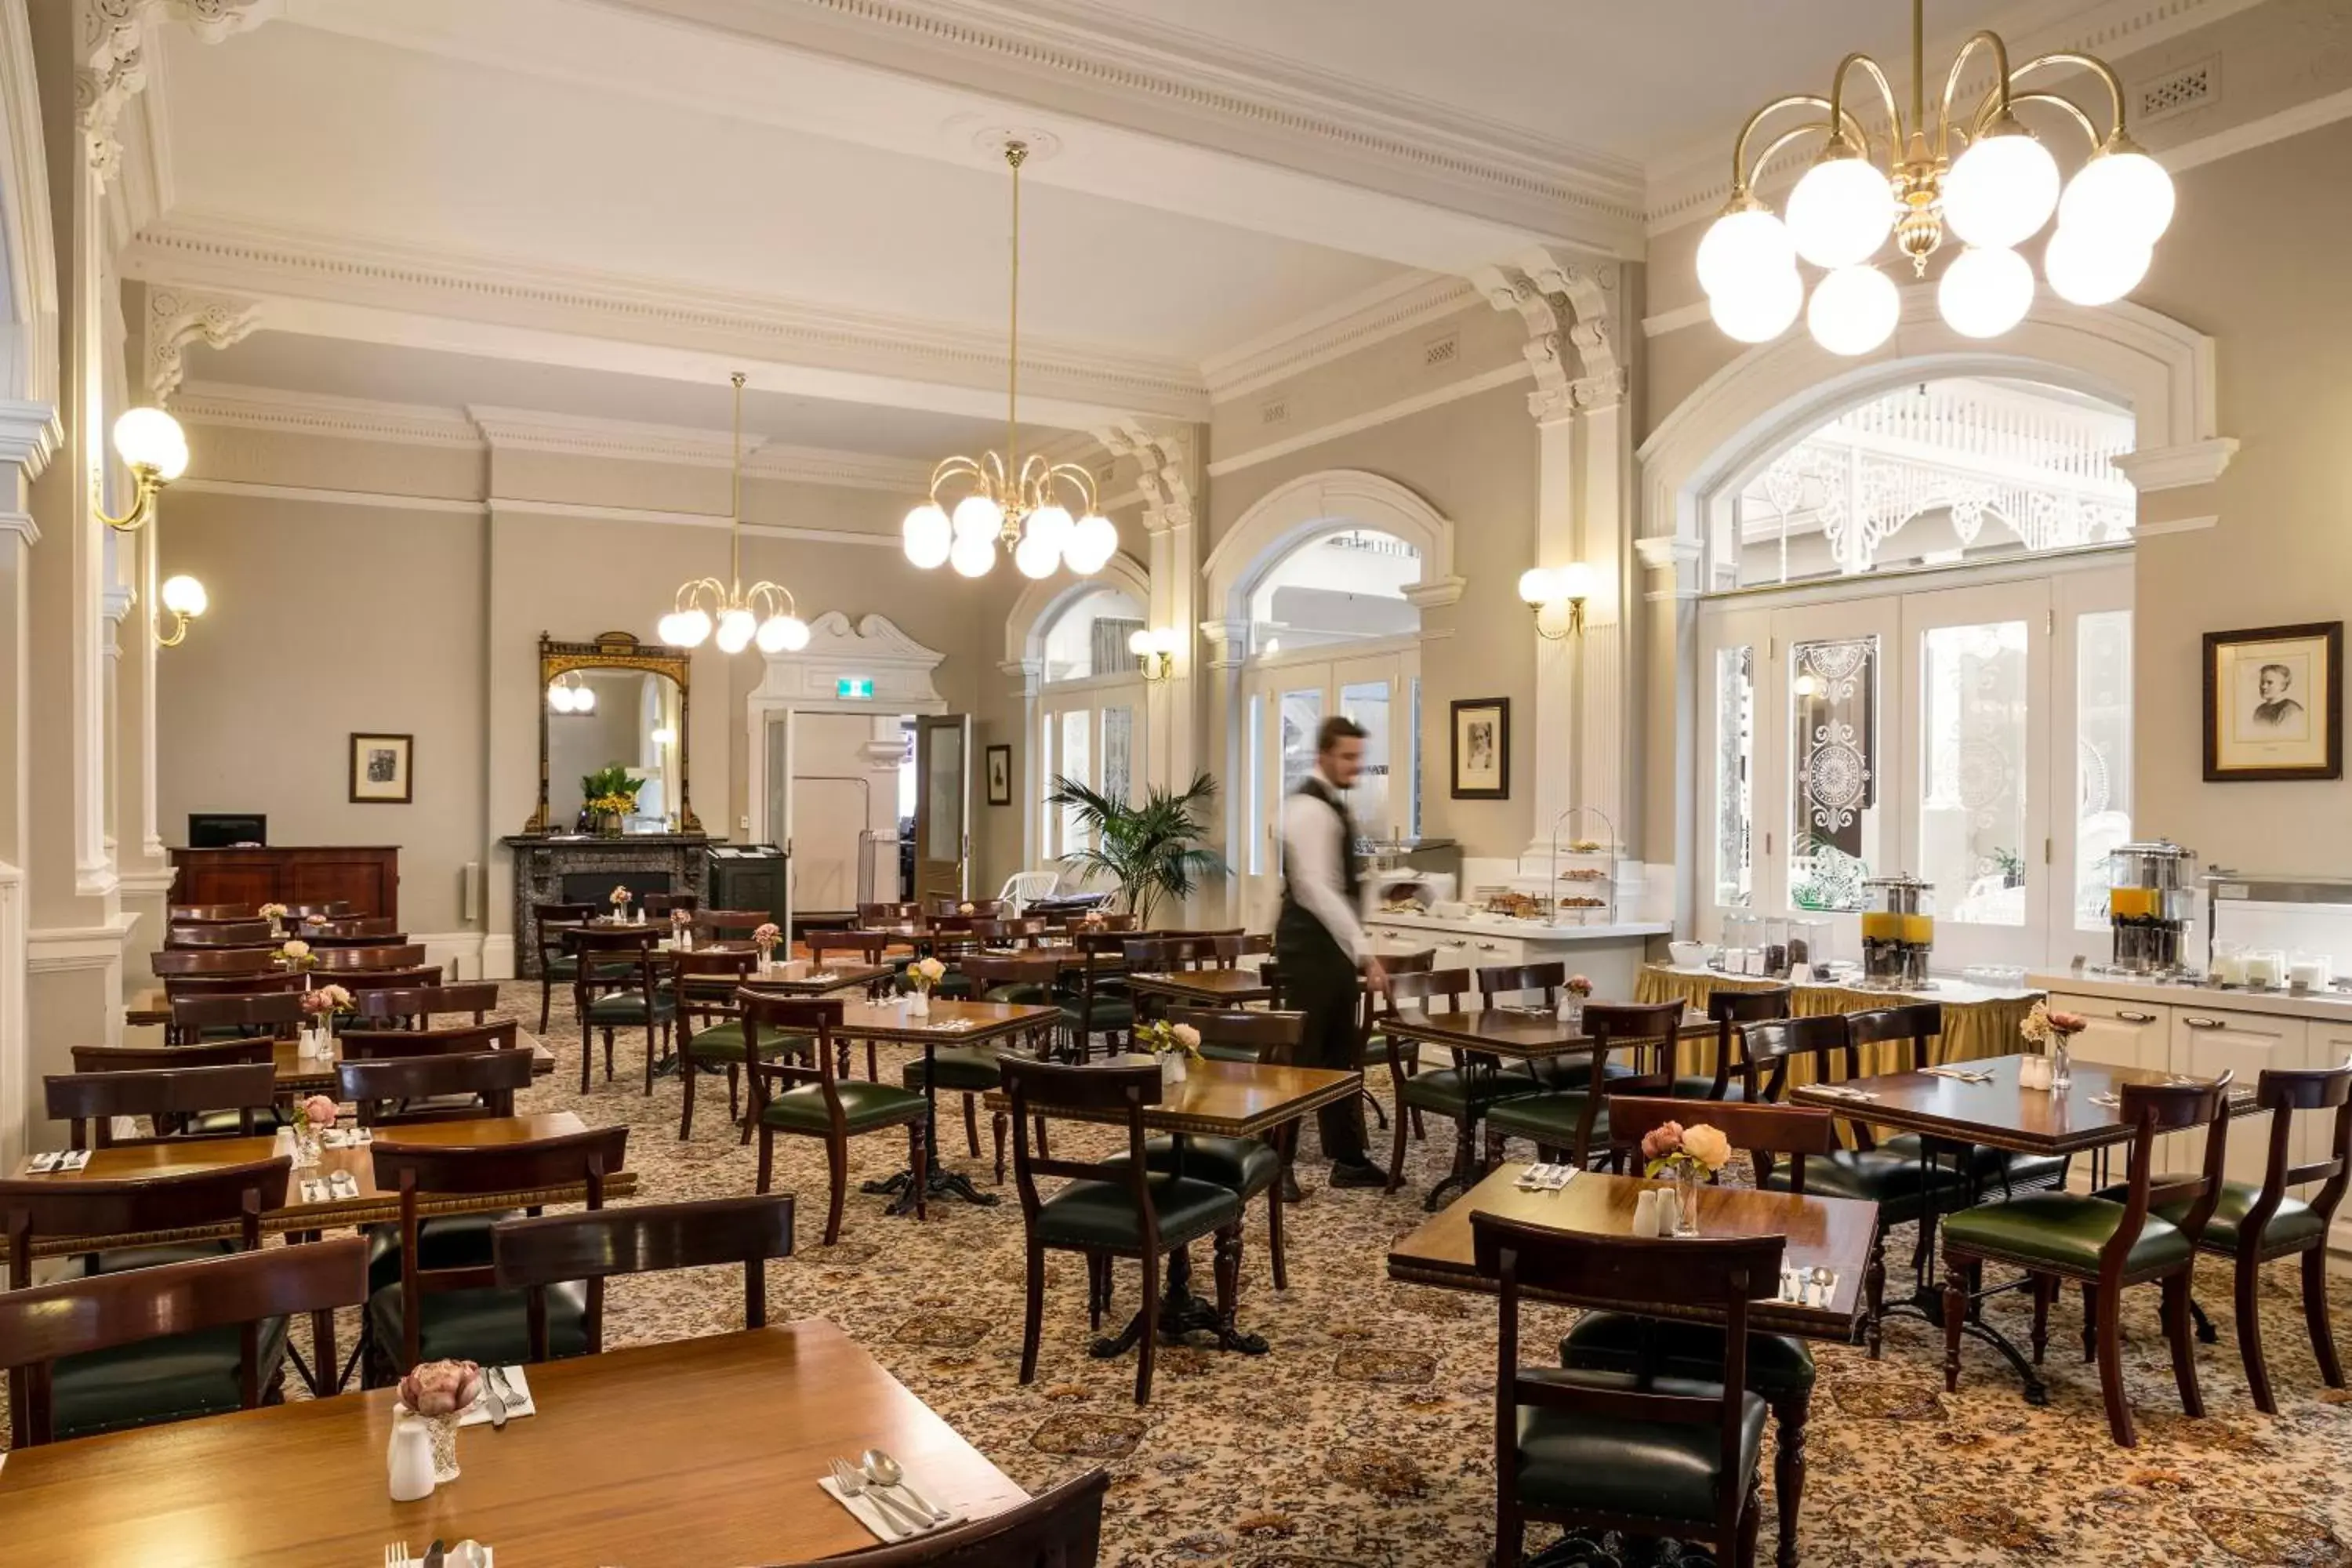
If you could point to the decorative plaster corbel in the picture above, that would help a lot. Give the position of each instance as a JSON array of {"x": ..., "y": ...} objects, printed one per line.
[
  {"x": 1231, "y": 641},
  {"x": 113, "y": 69},
  {"x": 1567, "y": 306},
  {"x": 176, "y": 318},
  {"x": 1167, "y": 459}
]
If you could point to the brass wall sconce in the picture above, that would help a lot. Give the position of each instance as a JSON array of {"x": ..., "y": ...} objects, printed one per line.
[
  {"x": 183, "y": 600},
  {"x": 150, "y": 442},
  {"x": 1571, "y": 585},
  {"x": 1156, "y": 650}
]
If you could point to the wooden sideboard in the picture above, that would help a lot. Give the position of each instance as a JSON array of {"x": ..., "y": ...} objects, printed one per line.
[{"x": 365, "y": 876}]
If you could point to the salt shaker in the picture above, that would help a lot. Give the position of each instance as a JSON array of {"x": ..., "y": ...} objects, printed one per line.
[
  {"x": 409, "y": 1458},
  {"x": 1670, "y": 1212},
  {"x": 1646, "y": 1211}
]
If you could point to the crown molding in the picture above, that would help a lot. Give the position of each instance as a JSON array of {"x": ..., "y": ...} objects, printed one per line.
[
  {"x": 1470, "y": 386},
  {"x": 210, "y": 252},
  {"x": 1691, "y": 185},
  {"x": 318, "y": 413},
  {"x": 1384, "y": 311}
]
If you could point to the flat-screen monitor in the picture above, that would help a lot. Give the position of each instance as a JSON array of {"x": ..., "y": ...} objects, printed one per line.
[{"x": 226, "y": 829}]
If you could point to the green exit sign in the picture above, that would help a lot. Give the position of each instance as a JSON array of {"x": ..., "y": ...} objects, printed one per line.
[{"x": 854, "y": 688}]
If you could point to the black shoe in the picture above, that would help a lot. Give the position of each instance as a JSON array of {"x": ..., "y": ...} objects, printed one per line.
[
  {"x": 1359, "y": 1175},
  {"x": 1290, "y": 1191}
]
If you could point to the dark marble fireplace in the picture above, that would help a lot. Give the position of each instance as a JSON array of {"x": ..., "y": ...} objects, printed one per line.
[{"x": 552, "y": 870}]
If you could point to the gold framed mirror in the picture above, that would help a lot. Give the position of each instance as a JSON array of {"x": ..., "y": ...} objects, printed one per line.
[{"x": 613, "y": 717}]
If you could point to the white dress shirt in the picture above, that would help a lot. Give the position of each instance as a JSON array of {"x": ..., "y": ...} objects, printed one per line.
[{"x": 1315, "y": 862}]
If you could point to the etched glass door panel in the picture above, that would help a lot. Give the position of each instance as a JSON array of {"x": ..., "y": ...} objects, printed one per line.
[
  {"x": 1973, "y": 783},
  {"x": 1733, "y": 819},
  {"x": 1836, "y": 827}
]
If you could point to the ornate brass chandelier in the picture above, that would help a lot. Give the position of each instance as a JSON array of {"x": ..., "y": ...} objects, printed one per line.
[
  {"x": 1007, "y": 500},
  {"x": 764, "y": 611},
  {"x": 1994, "y": 192}
]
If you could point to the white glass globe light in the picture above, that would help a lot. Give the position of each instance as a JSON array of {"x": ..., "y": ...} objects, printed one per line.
[
  {"x": 977, "y": 517},
  {"x": 149, "y": 437},
  {"x": 1536, "y": 586},
  {"x": 1139, "y": 642},
  {"x": 583, "y": 700},
  {"x": 1854, "y": 310},
  {"x": 1036, "y": 555},
  {"x": 1840, "y": 211},
  {"x": 973, "y": 555},
  {"x": 735, "y": 629},
  {"x": 1053, "y": 523},
  {"x": 1761, "y": 308},
  {"x": 796, "y": 634},
  {"x": 1743, "y": 244},
  {"x": 2001, "y": 191},
  {"x": 693, "y": 627},
  {"x": 770, "y": 635},
  {"x": 1091, "y": 544},
  {"x": 1168, "y": 640},
  {"x": 185, "y": 595},
  {"x": 1985, "y": 291},
  {"x": 559, "y": 697},
  {"x": 2088, "y": 269},
  {"x": 666, "y": 629},
  {"x": 2123, "y": 198},
  {"x": 1575, "y": 580},
  {"x": 928, "y": 536}
]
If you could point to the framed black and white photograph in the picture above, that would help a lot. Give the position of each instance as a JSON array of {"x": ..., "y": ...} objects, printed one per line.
[
  {"x": 2274, "y": 703},
  {"x": 381, "y": 768},
  {"x": 1000, "y": 775},
  {"x": 1482, "y": 747}
]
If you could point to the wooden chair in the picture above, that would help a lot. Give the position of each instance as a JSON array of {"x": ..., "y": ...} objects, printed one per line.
[
  {"x": 243, "y": 933},
  {"x": 867, "y": 946},
  {"x": 45, "y": 1330},
  {"x": 275, "y": 1014},
  {"x": 1024, "y": 931},
  {"x": 1596, "y": 1452},
  {"x": 710, "y": 1025},
  {"x": 209, "y": 914},
  {"x": 249, "y": 984},
  {"x": 1063, "y": 1529},
  {"x": 446, "y": 1304},
  {"x": 2103, "y": 1244},
  {"x": 2254, "y": 1225},
  {"x": 337, "y": 960},
  {"x": 970, "y": 1071},
  {"x": 658, "y": 906},
  {"x": 414, "y": 1006},
  {"x": 332, "y": 910},
  {"x": 1910, "y": 1029},
  {"x": 169, "y": 962},
  {"x": 1463, "y": 1093},
  {"x": 90, "y": 1101},
  {"x": 890, "y": 914},
  {"x": 1248, "y": 1166},
  {"x": 161, "y": 1378},
  {"x": 1574, "y": 1116},
  {"x": 606, "y": 1001},
  {"x": 453, "y": 1040},
  {"x": 556, "y": 960},
  {"x": 357, "y": 931},
  {"x": 1779, "y": 1367},
  {"x": 360, "y": 982},
  {"x": 1102, "y": 1003},
  {"x": 1110, "y": 1211},
  {"x": 737, "y": 924},
  {"x": 816, "y": 1103},
  {"x": 533, "y": 1254},
  {"x": 166, "y": 1059},
  {"x": 974, "y": 908},
  {"x": 1728, "y": 1011},
  {"x": 394, "y": 1091}
]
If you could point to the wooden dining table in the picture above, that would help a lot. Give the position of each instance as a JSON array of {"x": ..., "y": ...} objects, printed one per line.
[
  {"x": 1949, "y": 1113},
  {"x": 1836, "y": 1233},
  {"x": 697, "y": 1452},
  {"x": 951, "y": 1022},
  {"x": 1216, "y": 1100}
]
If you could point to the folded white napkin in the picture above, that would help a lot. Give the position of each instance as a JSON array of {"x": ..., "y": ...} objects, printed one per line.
[
  {"x": 871, "y": 1514},
  {"x": 522, "y": 1404}
]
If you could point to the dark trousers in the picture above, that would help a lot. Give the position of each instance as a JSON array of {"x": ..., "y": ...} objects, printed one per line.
[{"x": 1319, "y": 980}]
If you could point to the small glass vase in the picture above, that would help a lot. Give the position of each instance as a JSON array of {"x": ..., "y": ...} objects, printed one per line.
[
  {"x": 1171, "y": 1068},
  {"x": 306, "y": 1145},
  {"x": 444, "y": 1431},
  {"x": 2062, "y": 1065},
  {"x": 1686, "y": 1186},
  {"x": 918, "y": 1002}
]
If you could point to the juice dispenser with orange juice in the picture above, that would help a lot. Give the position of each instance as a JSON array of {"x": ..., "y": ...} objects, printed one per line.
[
  {"x": 1899, "y": 933},
  {"x": 2151, "y": 905}
]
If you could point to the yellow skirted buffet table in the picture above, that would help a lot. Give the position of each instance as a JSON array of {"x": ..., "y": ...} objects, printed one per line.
[{"x": 1979, "y": 1020}]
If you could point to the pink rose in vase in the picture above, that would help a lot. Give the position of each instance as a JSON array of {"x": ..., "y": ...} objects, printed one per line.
[{"x": 441, "y": 1388}]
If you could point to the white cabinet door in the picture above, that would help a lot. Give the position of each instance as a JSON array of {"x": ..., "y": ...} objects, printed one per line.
[
  {"x": 2121, "y": 1033},
  {"x": 2207, "y": 1042}
]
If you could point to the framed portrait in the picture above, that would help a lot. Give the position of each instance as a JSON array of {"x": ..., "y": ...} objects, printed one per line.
[
  {"x": 1482, "y": 747},
  {"x": 1000, "y": 775},
  {"x": 2274, "y": 703},
  {"x": 382, "y": 770}
]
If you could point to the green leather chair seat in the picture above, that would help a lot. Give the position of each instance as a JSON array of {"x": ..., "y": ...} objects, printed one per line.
[
  {"x": 955, "y": 984},
  {"x": 1701, "y": 1086},
  {"x": 1988, "y": 1165},
  {"x": 1445, "y": 1091},
  {"x": 1874, "y": 1175},
  {"x": 492, "y": 1327},
  {"x": 629, "y": 1008},
  {"x": 1103, "y": 1213},
  {"x": 1549, "y": 1118},
  {"x": 1617, "y": 1342},
  {"x": 970, "y": 1068},
  {"x": 2293, "y": 1221},
  {"x": 1243, "y": 1165},
  {"x": 1375, "y": 1053},
  {"x": 1026, "y": 994},
  {"x": 724, "y": 1042},
  {"x": 1649, "y": 1469},
  {"x": 117, "y": 1260},
  {"x": 167, "y": 1379},
  {"x": 443, "y": 1241},
  {"x": 2062, "y": 1229},
  {"x": 864, "y": 1106},
  {"x": 1110, "y": 1013},
  {"x": 568, "y": 968}
]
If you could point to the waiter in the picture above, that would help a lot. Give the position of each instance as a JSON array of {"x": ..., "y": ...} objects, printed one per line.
[{"x": 1320, "y": 939}]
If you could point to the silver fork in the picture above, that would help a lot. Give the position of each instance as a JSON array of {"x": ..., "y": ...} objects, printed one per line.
[{"x": 395, "y": 1555}]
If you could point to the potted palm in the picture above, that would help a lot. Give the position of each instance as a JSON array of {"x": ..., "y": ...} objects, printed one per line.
[{"x": 1151, "y": 851}]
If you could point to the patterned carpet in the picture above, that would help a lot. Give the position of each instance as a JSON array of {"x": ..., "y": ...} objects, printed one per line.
[{"x": 1363, "y": 1439}]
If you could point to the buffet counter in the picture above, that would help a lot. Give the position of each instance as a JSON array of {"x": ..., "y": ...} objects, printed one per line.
[
  {"x": 1611, "y": 956},
  {"x": 1979, "y": 1020}
]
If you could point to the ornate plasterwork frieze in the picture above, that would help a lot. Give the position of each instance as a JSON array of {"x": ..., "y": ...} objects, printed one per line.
[
  {"x": 112, "y": 69},
  {"x": 1167, "y": 458},
  {"x": 178, "y": 316},
  {"x": 1569, "y": 306}
]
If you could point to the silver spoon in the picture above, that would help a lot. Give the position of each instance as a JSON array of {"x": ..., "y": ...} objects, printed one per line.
[
  {"x": 1823, "y": 1280},
  {"x": 884, "y": 1470},
  {"x": 893, "y": 1513}
]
